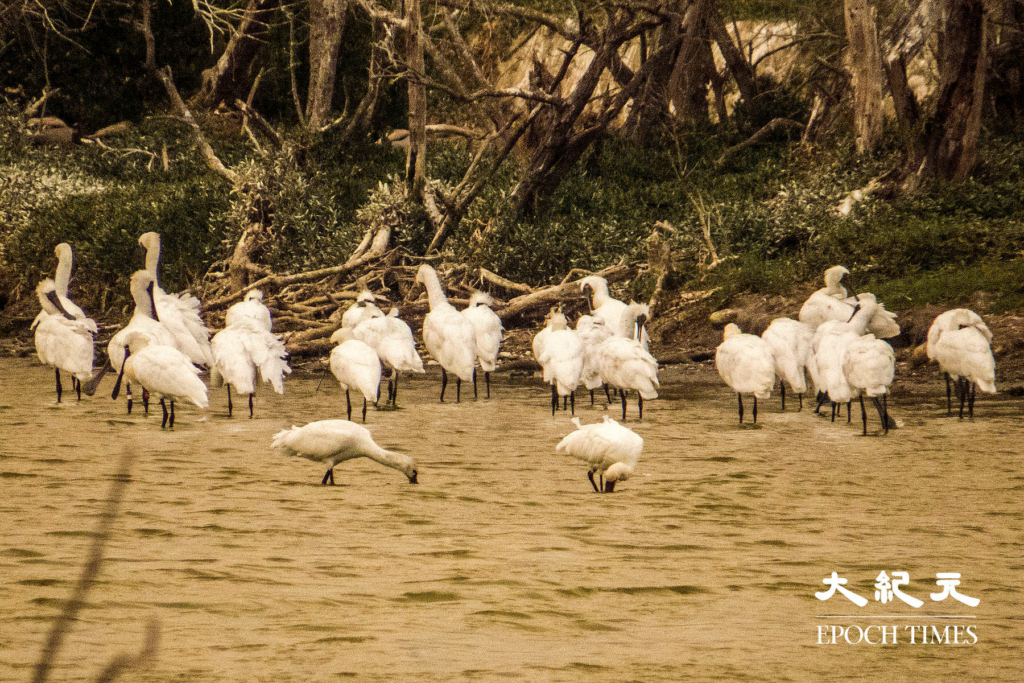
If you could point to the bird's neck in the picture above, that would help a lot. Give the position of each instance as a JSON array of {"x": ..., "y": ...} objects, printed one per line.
[
  {"x": 434, "y": 292},
  {"x": 153, "y": 259},
  {"x": 387, "y": 458},
  {"x": 63, "y": 276}
]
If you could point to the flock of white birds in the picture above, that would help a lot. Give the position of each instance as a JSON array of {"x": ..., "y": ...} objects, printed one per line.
[{"x": 838, "y": 340}]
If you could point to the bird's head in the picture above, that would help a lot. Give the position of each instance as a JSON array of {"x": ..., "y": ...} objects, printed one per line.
[
  {"x": 480, "y": 299},
  {"x": 731, "y": 330},
  {"x": 834, "y": 275},
  {"x": 254, "y": 295},
  {"x": 62, "y": 251},
  {"x": 410, "y": 471}
]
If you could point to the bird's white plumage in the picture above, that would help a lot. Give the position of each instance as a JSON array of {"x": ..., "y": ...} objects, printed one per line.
[
  {"x": 562, "y": 356},
  {"x": 593, "y": 332},
  {"x": 356, "y": 366},
  {"x": 242, "y": 348},
  {"x": 869, "y": 365},
  {"x": 164, "y": 370},
  {"x": 745, "y": 363},
  {"x": 607, "y": 447},
  {"x": 612, "y": 311},
  {"x": 362, "y": 310},
  {"x": 251, "y": 309},
  {"x": 791, "y": 343},
  {"x": 831, "y": 303},
  {"x": 961, "y": 342},
  {"x": 487, "y": 328},
  {"x": 334, "y": 441},
  {"x": 392, "y": 339},
  {"x": 179, "y": 313},
  {"x": 62, "y": 341},
  {"x": 831, "y": 340},
  {"x": 624, "y": 363},
  {"x": 447, "y": 334},
  {"x": 142, "y": 320}
]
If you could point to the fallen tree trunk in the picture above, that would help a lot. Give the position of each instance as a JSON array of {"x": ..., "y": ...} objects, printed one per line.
[{"x": 557, "y": 293}]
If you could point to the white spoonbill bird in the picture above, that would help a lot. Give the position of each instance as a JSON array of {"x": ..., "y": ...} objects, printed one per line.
[
  {"x": 163, "y": 370},
  {"x": 363, "y": 309},
  {"x": 61, "y": 281},
  {"x": 540, "y": 339},
  {"x": 831, "y": 340},
  {"x": 250, "y": 308},
  {"x": 144, "y": 319},
  {"x": 626, "y": 365},
  {"x": 612, "y": 311},
  {"x": 391, "y": 338},
  {"x": 831, "y": 303},
  {"x": 179, "y": 313},
  {"x": 870, "y": 365},
  {"x": 792, "y": 344},
  {"x": 593, "y": 332},
  {"x": 356, "y": 366},
  {"x": 335, "y": 441},
  {"x": 487, "y": 326},
  {"x": 746, "y": 364},
  {"x": 241, "y": 348},
  {"x": 448, "y": 335},
  {"x": 609, "y": 449},
  {"x": 562, "y": 360},
  {"x": 63, "y": 341},
  {"x": 961, "y": 342}
]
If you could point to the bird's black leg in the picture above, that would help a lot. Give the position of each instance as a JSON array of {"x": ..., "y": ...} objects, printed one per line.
[
  {"x": 250, "y": 406},
  {"x": 962, "y": 395},
  {"x": 565, "y": 402},
  {"x": 640, "y": 404},
  {"x": 600, "y": 479},
  {"x": 822, "y": 397},
  {"x": 609, "y": 486},
  {"x": 755, "y": 409},
  {"x": 572, "y": 401},
  {"x": 801, "y": 396},
  {"x": 607, "y": 395},
  {"x": 970, "y": 404},
  {"x": 128, "y": 395},
  {"x": 145, "y": 399},
  {"x": 949, "y": 397},
  {"x": 474, "y": 383},
  {"x": 590, "y": 476},
  {"x": 78, "y": 387},
  {"x": 554, "y": 399},
  {"x": 739, "y": 397},
  {"x": 60, "y": 389},
  {"x": 230, "y": 407},
  {"x": 164, "y": 406},
  {"x": 833, "y": 411},
  {"x": 863, "y": 415},
  {"x": 348, "y": 406},
  {"x": 171, "y": 423},
  {"x": 591, "y": 397},
  {"x": 327, "y": 475},
  {"x": 782, "y": 386},
  {"x": 848, "y": 404},
  {"x": 364, "y": 411},
  {"x": 885, "y": 409},
  {"x": 622, "y": 393},
  {"x": 444, "y": 383},
  {"x": 487, "y": 380},
  {"x": 458, "y": 389}
]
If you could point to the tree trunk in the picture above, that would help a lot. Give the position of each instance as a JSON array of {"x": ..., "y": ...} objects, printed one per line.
[
  {"x": 695, "y": 65},
  {"x": 231, "y": 76},
  {"x": 326, "y": 26},
  {"x": 650, "y": 108},
  {"x": 738, "y": 66},
  {"x": 866, "y": 66},
  {"x": 948, "y": 146},
  {"x": 416, "y": 160}
]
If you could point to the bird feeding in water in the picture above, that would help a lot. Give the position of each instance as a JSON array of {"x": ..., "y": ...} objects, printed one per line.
[
  {"x": 610, "y": 450},
  {"x": 745, "y": 363},
  {"x": 487, "y": 328},
  {"x": 447, "y": 334},
  {"x": 63, "y": 341},
  {"x": 961, "y": 343},
  {"x": 335, "y": 441}
]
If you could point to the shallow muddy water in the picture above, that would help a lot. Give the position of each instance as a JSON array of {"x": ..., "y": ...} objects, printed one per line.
[{"x": 503, "y": 562}]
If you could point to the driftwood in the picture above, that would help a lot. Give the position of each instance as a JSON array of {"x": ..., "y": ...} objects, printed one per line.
[
  {"x": 552, "y": 295},
  {"x": 495, "y": 279}
]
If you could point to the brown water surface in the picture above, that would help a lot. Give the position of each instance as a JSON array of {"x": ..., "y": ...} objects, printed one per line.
[{"x": 503, "y": 562}]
